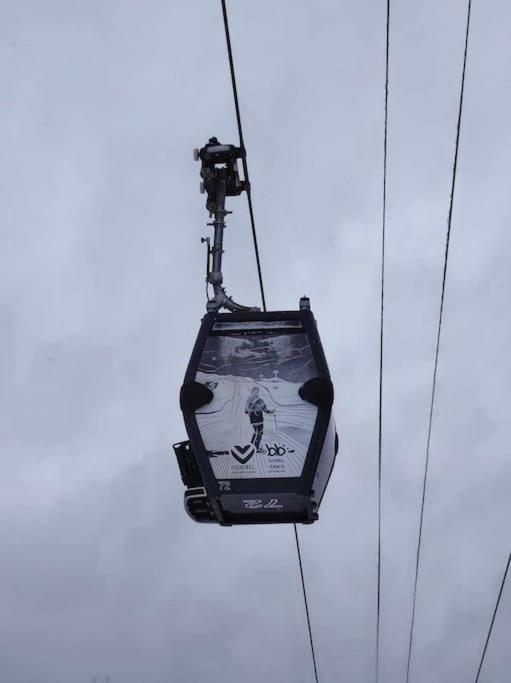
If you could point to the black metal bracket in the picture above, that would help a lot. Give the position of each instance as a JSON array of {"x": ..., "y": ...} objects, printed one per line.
[
  {"x": 220, "y": 163},
  {"x": 187, "y": 464}
]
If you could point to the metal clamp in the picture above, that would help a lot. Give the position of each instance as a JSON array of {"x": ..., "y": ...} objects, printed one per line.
[{"x": 220, "y": 179}]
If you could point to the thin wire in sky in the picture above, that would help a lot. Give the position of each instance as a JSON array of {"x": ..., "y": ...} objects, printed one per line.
[
  {"x": 261, "y": 286},
  {"x": 382, "y": 298},
  {"x": 242, "y": 145},
  {"x": 493, "y": 619},
  {"x": 440, "y": 317}
]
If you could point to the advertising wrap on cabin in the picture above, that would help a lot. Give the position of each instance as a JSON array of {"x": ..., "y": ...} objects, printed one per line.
[{"x": 256, "y": 425}]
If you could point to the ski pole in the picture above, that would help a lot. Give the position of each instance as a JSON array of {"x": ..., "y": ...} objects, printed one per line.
[{"x": 276, "y": 426}]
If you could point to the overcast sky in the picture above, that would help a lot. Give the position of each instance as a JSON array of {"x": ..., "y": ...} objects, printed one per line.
[{"x": 102, "y": 291}]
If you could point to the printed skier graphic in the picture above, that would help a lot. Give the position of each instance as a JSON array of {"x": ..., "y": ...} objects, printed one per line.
[
  {"x": 257, "y": 426},
  {"x": 255, "y": 407}
]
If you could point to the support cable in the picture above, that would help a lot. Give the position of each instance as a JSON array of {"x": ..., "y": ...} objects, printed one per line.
[
  {"x": 306, "y": 604},
  {"x": 493, "y": 619},
  {"x": 440, "y": 317},
  {"x": 380, "y": 398},
  {"x": 261, "y": 285},
  {"x": 242, "y": 145}
]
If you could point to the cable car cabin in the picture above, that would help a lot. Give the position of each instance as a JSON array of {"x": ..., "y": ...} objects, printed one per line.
[{"x": 257, "y": 405}]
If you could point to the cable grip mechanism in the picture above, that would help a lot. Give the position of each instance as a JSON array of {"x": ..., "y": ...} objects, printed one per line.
[{"x": 220, "y": 179}]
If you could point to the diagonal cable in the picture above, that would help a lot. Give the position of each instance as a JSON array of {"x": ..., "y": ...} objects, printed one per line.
[
  {"x": 242, "y": 145},
  {"x": 261, "y": 286},
  {"x": 433, "y": 390},
  {"x": 493, "y": 618},
  {"x": 306, "y": 604},
  {"x": 380, "y": 397}
]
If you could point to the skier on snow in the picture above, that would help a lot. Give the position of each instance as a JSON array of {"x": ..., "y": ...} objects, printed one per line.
[{"x": 254, "y": 408}]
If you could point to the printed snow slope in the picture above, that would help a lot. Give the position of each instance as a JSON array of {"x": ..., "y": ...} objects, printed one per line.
[
  {"x": 259, "y": 356},
  {"x": 224, "y": 424}
]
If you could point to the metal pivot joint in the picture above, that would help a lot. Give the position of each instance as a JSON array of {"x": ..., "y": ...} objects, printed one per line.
[{"x": 220, "y": 179}]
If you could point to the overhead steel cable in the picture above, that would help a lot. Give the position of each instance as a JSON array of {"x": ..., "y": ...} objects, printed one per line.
[
  {"x": 242, "y": 145},
  {"x": 382, "y": 300},
  {"x": 440, "y": 317},
  {"x": 261, "y": 285},
  {"x": 493, "y": 618},
  {"x": 306, "y": 604}
]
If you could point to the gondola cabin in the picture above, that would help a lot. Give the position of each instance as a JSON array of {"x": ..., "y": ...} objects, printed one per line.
[{"x": 257, "y": 405}]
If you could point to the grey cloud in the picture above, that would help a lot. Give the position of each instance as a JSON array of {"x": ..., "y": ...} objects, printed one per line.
[{"x": 102, "y": 292}]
